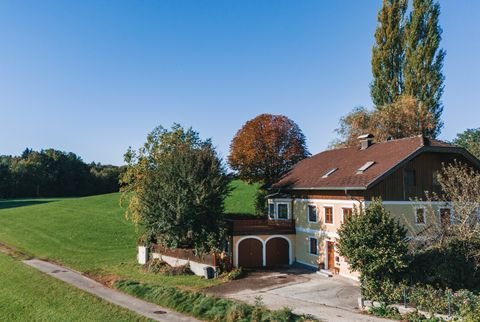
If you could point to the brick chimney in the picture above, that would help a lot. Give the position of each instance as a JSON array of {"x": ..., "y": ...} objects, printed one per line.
[{"x": 366, "y": 140}]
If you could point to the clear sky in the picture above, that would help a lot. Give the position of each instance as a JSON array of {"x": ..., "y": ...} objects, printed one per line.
[{"x": 94, "y": 77}]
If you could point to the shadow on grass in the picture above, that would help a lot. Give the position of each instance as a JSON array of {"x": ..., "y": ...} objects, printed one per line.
[{"x": 5, "y": 204}]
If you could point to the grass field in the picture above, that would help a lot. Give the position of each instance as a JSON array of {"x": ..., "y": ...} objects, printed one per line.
[
  {"x": 242, "y": 198},
  {"x": 91, "y": 234},
  {"x": 28, "y": 295},
  {"x": 88, "y": 234}
]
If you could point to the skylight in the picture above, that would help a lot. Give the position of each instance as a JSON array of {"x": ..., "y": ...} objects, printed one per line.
[
  {"x": 365, "y": 167},
  {"x": 329, "y": 172}
]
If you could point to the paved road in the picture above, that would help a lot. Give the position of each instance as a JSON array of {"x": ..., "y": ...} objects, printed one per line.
[
  {"x": 88, "y": 285},
  {"x": 328, "y": 299}
]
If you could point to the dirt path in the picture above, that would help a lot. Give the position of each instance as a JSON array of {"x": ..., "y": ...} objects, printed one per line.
[{"x": 86, "y": 284}]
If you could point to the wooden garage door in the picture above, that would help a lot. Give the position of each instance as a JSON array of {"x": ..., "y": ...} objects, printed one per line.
[
  {"x": 250, "y": 253},
  {"x": 277, "y": 252}
]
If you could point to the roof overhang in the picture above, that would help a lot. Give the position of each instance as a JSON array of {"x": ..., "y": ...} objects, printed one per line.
[{"x": 327, "y": 188}]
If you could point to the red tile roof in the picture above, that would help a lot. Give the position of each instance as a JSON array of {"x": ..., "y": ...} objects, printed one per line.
[{"x": 307, "y": 174}]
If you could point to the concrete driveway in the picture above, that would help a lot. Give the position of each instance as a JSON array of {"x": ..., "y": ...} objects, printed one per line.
[{"x": 326, "y": 298}]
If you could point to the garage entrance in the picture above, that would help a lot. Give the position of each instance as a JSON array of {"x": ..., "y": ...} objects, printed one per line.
[
  {"x": 278, "y": 252},
  {"x": 250, "y": 253}
]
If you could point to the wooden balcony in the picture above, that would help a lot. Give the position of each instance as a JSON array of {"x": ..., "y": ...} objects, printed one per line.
[{"x": 260, "y": 226}]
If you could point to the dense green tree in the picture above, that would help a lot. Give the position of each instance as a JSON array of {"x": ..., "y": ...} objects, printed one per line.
[
  {"x": 53, "y": 173},
  {"x": 175, "y": 187},
  {"x": 423, "y": 62},
  {"x": 407, "y": 59},
  {"x": 388, "y": 52},
  {"x": 470, "y": 140},
  {"x": 374, "y": 244}
]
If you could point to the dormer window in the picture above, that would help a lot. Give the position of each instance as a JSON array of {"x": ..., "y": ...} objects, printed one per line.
[
  {"x": 365, "y": 167},
  {"x": 329, "y": 172}
]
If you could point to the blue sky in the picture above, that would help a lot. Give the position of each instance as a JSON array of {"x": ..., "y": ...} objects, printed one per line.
[{"x": 94, "y": 77}]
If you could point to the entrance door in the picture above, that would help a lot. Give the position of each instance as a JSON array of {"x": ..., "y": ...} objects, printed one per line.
[{"x": 331, "y": 255}]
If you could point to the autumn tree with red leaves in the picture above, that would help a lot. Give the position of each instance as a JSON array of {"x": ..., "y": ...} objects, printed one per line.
[{"x": 265, "y": 147}]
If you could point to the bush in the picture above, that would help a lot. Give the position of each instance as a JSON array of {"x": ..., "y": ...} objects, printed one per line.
[
  {"x": 384, "y": 291},
  {"x": 467, "y": 305},
  {"x": 155, "y": 266},
  {"x": 234, "y": 274},
  {"x": 418, "y": 317},
  {"x": 427, "y": 298},
  {"x": 445, "y": 268},
  {"x": 385, "y": 311}
]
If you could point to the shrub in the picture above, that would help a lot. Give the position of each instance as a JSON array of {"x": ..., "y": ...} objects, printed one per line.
[
  {"x": 427, "y": 298},
  {"x": 467, "y": 305},
  {"x": 385, "y": 311},
  {"x": 445, "y": 267},
  {"x": 234, "y": 274},
  {"x": 155, "y": 266}
]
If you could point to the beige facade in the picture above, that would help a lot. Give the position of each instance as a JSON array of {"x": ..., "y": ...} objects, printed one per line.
[
  {"x": 329, "y": 217},
  {"x": 409, "y": 213}
]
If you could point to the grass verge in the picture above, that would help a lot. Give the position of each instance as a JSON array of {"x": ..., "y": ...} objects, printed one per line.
[
  {"x": 204, "y": 306},
  {"x": 28, "y": 295}
]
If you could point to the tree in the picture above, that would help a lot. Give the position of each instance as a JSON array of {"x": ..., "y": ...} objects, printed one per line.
[
  {"x": 175, "y": 186},
  {"x": 459, "y": 184},
  {"x": 446, "y": 252},
  {"x": 404, "y": 118},
  {"x": 374, "y": 244},
  {"x": 53, "y": 173},
  {"x": 388, "y": 52},
  {"x": 266, "y": 147},
  {"x": 423, "y": 61},
  {"x": 406, "y": 58},
  {"x": 470, "y": 140}
]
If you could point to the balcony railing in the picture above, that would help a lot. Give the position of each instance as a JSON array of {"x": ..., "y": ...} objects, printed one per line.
[{"x": 261, "y": 226}]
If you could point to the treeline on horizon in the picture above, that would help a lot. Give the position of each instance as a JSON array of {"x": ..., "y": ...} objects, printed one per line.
[{"x": 53, "y": 173}]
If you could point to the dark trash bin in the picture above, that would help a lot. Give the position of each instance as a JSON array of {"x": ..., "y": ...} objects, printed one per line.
[{"x": 208, "y": 272}]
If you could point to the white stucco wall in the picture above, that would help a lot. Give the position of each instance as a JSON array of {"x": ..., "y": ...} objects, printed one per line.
[{"x": 196, "y": 268}]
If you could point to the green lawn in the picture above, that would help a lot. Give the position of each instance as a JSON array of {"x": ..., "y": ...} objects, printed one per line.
[
  {"x": 91, "y": 234},
  {"x": 242, "y": 198},
  {"x": 88, "y": 234},
  {"x": 28, "y": 295}
]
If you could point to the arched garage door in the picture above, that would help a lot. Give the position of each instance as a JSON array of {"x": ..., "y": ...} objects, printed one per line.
[
  {"x": 250, "y": 253},
  {"x": 277, "y": 252}
]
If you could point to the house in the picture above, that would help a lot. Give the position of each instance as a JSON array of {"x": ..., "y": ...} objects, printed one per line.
[{"x": 310, "y": 202}]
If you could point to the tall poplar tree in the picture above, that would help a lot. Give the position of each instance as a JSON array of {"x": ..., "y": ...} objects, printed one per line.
[
  {"x": 388, "y": 52},
  {"x": 423, "y": 61}
]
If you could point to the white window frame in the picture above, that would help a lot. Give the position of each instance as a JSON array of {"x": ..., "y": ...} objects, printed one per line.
[
  {"x": 278, "y": 212},
  {"x": 343, "y": 215},
  {"x": 271, "y": 215},
  {"x": 310, "y": 246},
  {"x": 308, "y": 213},
  {"x": 424, "y": 216},
  {"x": 324, "y": 215},
  {"x": 451, "y": 213}
]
